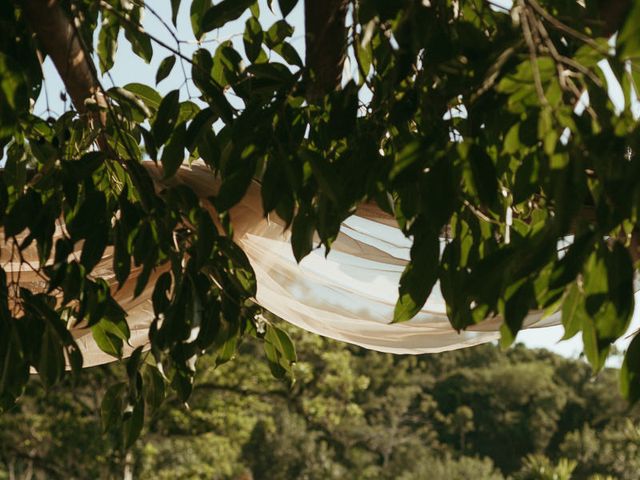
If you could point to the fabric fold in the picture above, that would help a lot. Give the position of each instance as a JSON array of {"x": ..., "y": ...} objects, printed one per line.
[{"x": 348, "y": 295}]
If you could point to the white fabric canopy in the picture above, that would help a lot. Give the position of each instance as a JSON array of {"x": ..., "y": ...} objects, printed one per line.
[{"x": 348, "y": 296}]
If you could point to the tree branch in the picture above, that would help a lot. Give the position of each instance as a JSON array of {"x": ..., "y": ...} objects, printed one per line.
[{"x": 59, "y": 39}]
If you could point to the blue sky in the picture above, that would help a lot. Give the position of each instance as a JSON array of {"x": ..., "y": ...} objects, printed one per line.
[{"x": 129, "y": 68}]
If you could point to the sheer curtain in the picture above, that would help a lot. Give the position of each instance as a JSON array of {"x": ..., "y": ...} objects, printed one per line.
[{"x": 349, "y": 295}]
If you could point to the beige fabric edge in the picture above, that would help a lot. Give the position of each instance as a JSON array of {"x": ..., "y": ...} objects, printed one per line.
[{"x": 356, "y": 273}]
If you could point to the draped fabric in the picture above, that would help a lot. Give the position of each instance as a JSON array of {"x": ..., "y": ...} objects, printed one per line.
[{"x": 348, "y": 296}]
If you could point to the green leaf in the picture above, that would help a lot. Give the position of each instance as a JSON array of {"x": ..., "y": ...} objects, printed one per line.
[
  {"x": 210, "y": 327},
  {"x": 94, "y": 246},
  {"x": 286, "y": 6},
  {"x": 512, "y": 140},
  {"x": 197, "y": 12},
  {"x": 252, "y": 39},
  {"x": 140, "y": 40},
  {"x": 14, "y": 369},
  {"x": 109, "y": 336},
  {"x": 175, "y": 7},
  {"x": 125, "y": 98},
  {"x": 25, "y": 208},
  {"x": 608, "y": 286},
  {"x": 154, "y": 387},
  {"x": 607, "y": 302},
  {"x": 108, "y": 41},
  {"x": 160, "y": 294},
  {"x": 302, "y": 232},
  {"x": 236, "y": 181},
  {"x": 364, "y": 59},
  {"x": 630, "y": 371},
  {"x": 568, "y": 267},
  {"x": 147, "y": 269},
  {"x": 133, "y": 366},
  {"x": 121, "y": 255},
  {"x": 277, "y": 33},
  {"x": 211, "y": 91},
  {"x": 277, "y": 73},
  {"x": 275, "y": 365},
  {"x": 594, "y": 350},
  {"x": 226, "y": 65},
  {"x": 51, "y": 363},
  {"x": 13, "y": 88},
  {"x": 273, "y": 184},
  {"x": 148, "y": 95},
  {"x": 518, "y": 301},
  {"x": 111, "y": 406},
  {"x": 573, "y": 312},
  {"x": 81, "y": 225},
  {"x": 165, "y": 67},
  {"x": 223, "y": 12},
  {"x": 628, "y": 39},
  {"x": 227, "y": 339},
  {"x": 75, "y": 358},
  {"x": 324, "y": 174},
  {"x": 201, "y": 68},
  {"x": 239, "y": 268},
  {"x": 289, "y": 53},
  {"x": 281, "y": 341},
  {"x": 480, "y": 174},
  {"x": 167, "y": 116},
  {"x": 418, "y": 278},
  {"x": 133, "y": 423},
  {"x": 411, "y": 153},
  {"x": 620, "y": 281},
  {"x": 439, "y": 189},
  {"x": 173, "y": 153},
  {"x": 188, "y": 110},
  {"x": 195, "y": 131}
]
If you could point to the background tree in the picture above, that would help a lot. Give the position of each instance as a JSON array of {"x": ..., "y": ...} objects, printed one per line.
[
  {"x": 529, "y": 162},
  {"x": 351, "y": 414}
]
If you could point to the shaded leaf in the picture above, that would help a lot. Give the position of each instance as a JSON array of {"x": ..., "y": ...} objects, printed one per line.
[
  {"x": 148, "y": 95},
  {"x": 630, "y": 371},
  {"x": 173, "y": 153},
  {"x": 418, "y": 277},
  {"x": 223, "y": 12},
  {"x": 302, "y": 232},
  {"x": 133, "y": 423},
  {"x": 165, "y": 67},
  {"x": 166, "y": 117},
  {"x": 281, "y": 341},
  {"x": 286, "y": 6},
  {"x": 573, "y": 313}
]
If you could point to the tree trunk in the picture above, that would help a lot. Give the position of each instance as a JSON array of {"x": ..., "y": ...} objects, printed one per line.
[
  {"x": 326, "y": 45},
  {"x": 60, "y": 39}
]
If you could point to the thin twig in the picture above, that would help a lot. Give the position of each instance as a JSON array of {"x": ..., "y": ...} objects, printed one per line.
[
  {"x": 565, "y": 60},
  {"x": 159, "y": 17},
  {"x": 494, "y": 71},
  {"x": 163, "y": 44},
  {"x": 479, "y": 213},
  {"x": 565, "y": 28},
  {"x": 528, "y": 37}
]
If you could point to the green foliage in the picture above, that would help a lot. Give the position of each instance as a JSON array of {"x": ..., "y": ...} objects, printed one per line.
[
  {"x": 540, "y": 468},
  {"x": 505, "y": 182},
  {"x": 350, "y": 414}
]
